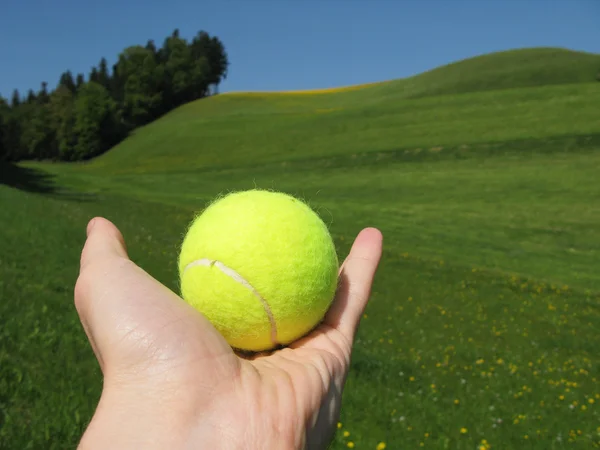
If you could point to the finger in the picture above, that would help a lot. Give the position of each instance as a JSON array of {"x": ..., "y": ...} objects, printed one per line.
[
  {"x": 356, "y": 278},
  {"x": 103, "y": 240}
]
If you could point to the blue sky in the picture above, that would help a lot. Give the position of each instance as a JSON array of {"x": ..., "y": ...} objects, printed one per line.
[{"x": 287, "y": 44}]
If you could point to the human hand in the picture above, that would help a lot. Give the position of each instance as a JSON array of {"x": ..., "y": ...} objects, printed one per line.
[{"x": 171, "y": 381}]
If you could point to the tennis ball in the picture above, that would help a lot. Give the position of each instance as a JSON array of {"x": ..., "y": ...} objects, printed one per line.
[{"x": 261, "y": 266}]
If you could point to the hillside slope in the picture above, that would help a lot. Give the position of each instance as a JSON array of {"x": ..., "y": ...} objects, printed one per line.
[
  {"x": 510, "y": 69},
  {"x": 523, "y": 94}
]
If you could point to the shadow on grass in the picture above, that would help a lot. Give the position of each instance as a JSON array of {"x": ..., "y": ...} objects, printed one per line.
[{"x": 38, "y": 181}]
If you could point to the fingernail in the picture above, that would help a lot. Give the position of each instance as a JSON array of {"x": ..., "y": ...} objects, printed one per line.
[{"x": 90, "y": 226}]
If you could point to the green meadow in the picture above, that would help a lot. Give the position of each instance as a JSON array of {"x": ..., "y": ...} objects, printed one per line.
[{"x": 483, "y": 328}]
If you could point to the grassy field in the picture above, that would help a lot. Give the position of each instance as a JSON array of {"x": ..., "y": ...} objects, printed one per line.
[{"x": 484, "y": 325}]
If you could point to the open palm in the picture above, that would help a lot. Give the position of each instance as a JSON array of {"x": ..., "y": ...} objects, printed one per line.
[{"x": 172, "y": 381}]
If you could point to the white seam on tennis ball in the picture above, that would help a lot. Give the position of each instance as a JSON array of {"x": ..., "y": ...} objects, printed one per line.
[{"x": 239, "y": 279}]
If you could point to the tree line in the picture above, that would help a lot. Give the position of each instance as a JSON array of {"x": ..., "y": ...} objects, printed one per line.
[{"x": 85, "y": 116}]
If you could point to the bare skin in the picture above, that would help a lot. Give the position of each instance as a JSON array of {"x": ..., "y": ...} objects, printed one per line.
[{"x": 172, "y": 382}]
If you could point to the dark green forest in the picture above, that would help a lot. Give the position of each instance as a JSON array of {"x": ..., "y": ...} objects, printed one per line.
[{"x": 85, "y": 116}]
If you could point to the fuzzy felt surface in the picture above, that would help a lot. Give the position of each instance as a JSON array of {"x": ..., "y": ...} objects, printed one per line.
[{"x": 261, "y": 266}]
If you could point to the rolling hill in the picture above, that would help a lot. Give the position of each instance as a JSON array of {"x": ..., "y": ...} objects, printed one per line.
[{"x": 506, "y": 96}]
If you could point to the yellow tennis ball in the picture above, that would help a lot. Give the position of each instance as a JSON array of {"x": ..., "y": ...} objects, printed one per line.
[{"x": 261, "y": 266}]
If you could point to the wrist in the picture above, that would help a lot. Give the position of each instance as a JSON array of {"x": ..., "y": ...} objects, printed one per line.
[{"x": 124, "y": 421}]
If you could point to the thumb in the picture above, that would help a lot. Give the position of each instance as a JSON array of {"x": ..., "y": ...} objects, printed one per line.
[
  {"x": 133, "y": 321},
  {"x": 104, "y": 243},
  {"x": 104, "y": 240}
]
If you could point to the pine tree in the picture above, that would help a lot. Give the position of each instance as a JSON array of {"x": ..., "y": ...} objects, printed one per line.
[
  {"x": 103, "y": 75},
  {"x": 94, "y": 75},
  {"x": 14, "y": 130},
  {"x": 38, "y": 137},
  {"x": 80, "y": 81},
  {"x": 31, "y": 97},
  {"x": 15, "y": 99},
  {"x": 62, "y": 110},
  {"x": 179, "y": 71},
  {"x": 11, "y": 135},
  {"x": 150, "y": 46},
  {"x": 210, "y": 48},
  {"x": 66, "y": 80},
  {"x": 3, "y": 113},
  {"x": 43, "y": 96}
]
